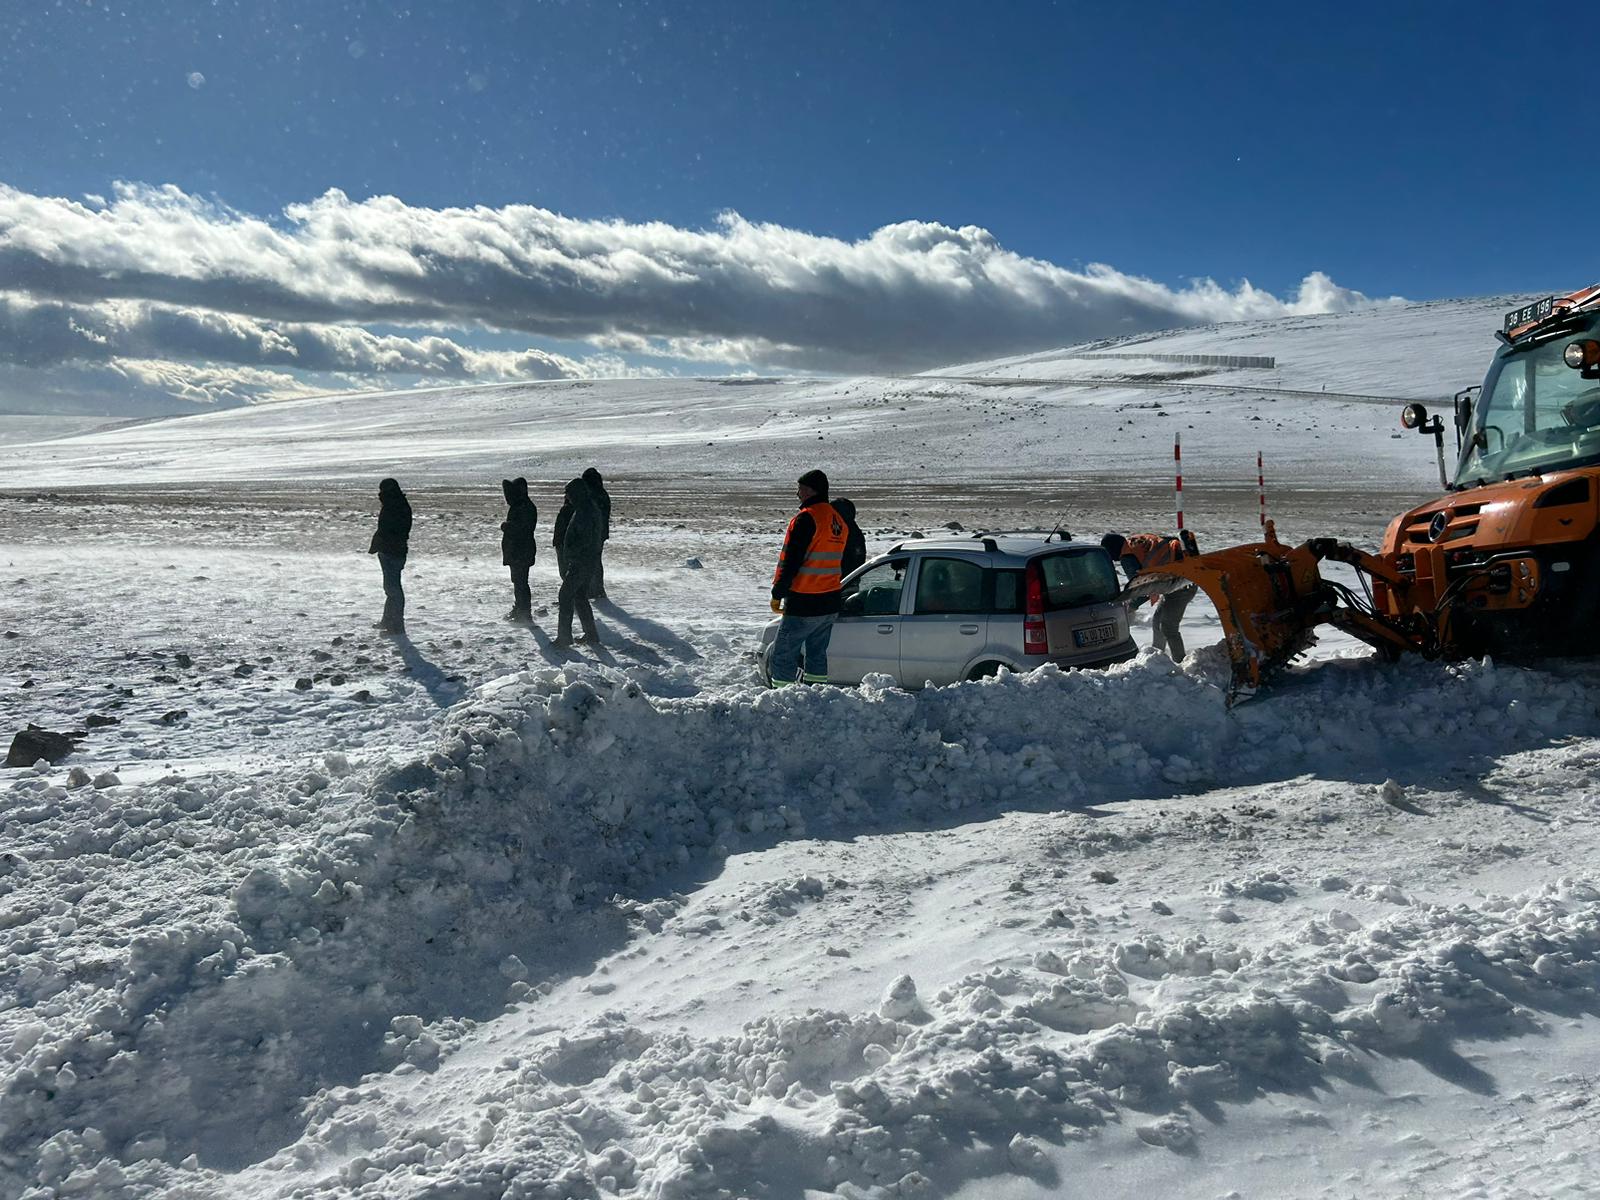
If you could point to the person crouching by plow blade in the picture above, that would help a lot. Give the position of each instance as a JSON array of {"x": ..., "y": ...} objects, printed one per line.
[
  {"x": 1141, "y": 552},
  {"x": 805, "y": 585}
]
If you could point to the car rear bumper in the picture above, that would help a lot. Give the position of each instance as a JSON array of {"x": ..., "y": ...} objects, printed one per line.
[{"x": 1113, "y": 655}]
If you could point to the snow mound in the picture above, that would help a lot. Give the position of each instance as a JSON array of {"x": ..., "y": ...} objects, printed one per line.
[
  {"x": 364, "y": 922},
  {"x": 984, "y": 1080}
]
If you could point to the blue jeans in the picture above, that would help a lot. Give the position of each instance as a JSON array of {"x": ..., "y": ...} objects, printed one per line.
[
  {"x": 797, "y": 634},
  {"x": 394, "y": 596}
]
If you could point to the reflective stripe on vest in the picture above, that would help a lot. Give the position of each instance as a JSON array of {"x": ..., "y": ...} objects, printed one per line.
[
  {"x": 819, "y": 570},
  {"x": 1152, "y": 550}
]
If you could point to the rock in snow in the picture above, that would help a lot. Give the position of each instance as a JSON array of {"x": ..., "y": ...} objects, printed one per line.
[{"x": 34, "y": 744}]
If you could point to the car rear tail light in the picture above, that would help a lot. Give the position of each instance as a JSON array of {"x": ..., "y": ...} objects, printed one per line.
[{"x": 1034, "y": 638}]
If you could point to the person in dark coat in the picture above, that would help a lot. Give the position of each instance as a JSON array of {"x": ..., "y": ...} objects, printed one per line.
[
  {"x": 563, "y": 517},
  {"x": 518, "y": 545},
  {"x": 855, "y": 542},
  {"x": 578, "y": 552},
  {"x": 602, "y": 499},
  {"x": 390, "y": 543}
]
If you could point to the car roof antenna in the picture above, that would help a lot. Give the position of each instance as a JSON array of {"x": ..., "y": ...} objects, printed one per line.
[{"x": 1066, "y": 535}]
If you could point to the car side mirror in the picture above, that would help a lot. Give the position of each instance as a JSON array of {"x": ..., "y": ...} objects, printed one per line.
[{"x": 852, "y": 605}]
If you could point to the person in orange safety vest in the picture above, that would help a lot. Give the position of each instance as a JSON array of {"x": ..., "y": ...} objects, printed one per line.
[
  {"x": 1140, "y": 552},
  {"x": 805, "y": 584}
]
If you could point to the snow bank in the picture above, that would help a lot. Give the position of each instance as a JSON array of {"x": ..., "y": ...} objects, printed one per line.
[{"x": 277, "y": 941}]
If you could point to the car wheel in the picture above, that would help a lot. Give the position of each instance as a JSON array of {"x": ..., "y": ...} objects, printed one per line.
[{"x": 984, "y": 671}]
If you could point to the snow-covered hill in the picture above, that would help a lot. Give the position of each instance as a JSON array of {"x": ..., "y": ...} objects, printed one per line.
[{"x": 863, "y": 429}]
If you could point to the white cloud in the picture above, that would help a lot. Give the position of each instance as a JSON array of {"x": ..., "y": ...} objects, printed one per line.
[
  {"x": 209, "y": 282},
  {"x": 209, "y": 384},
  {"x": 36, "y": 333}
]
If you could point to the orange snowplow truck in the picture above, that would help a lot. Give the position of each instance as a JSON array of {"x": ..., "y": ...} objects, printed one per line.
[{"x": 1506, "y": 562}]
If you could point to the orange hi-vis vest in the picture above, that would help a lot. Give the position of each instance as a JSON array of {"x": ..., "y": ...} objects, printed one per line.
[
  {"x": 819, "y": 571},
  {"x": 1152, "y": 550}
]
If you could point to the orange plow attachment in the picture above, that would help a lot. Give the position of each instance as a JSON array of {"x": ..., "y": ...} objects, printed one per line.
[{"x": 1270, "y": 597}]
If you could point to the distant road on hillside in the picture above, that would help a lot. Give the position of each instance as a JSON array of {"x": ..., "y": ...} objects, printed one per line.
[{"x": 1175, "y": 385}]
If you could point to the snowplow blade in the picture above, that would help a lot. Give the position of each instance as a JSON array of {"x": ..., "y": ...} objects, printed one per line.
[{"x": 1270, "y": 597}]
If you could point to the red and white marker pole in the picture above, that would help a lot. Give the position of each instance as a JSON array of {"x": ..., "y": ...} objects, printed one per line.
[
  {"x": 1177, "y": 462},
  {"x": 1261, "y": 487}
]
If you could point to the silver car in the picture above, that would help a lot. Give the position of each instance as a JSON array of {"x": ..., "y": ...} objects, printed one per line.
[{"x": 942, "y": 610}]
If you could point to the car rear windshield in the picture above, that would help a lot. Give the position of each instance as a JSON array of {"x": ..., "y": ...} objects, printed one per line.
[{"x": 1078, "y": 577}]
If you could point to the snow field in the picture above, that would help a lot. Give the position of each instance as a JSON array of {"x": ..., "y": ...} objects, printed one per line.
[
  {"x": 469, "y": 918},
  {"x": 357, "y": 921}
]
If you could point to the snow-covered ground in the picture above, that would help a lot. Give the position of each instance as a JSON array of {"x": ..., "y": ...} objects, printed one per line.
[{"x": 460, "y": 915}]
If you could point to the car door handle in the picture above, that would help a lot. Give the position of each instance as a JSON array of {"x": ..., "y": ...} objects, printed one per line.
[
  {"x": 885, "y": 628},
  {"x": 969, "y": 629}
]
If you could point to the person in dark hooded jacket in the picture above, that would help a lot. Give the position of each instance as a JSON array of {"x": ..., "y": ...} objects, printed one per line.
[
  {"x": 578, "y": 543},
  {"x": 855, "y": 542},
  {"x": 390, "y": 543},
  {"x": 602, "y": 499},
  {"x": 518, "y": 545}
]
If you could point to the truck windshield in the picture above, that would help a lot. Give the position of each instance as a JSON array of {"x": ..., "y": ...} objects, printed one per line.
[{"x": 1536, "y": 415}]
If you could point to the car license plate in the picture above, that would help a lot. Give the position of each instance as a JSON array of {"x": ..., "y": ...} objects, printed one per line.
[{"x": 1094, "y": 635}]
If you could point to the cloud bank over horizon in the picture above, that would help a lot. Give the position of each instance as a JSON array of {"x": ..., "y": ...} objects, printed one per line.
[{"x": 159, "y": 290}]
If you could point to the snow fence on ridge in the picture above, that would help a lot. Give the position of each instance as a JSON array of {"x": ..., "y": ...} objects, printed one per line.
[{"x": 446, "y": 886}]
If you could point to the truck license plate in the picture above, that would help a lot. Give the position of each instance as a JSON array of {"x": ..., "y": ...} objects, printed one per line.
[
  {"x": 1094, "y": 635},
  {"x": 1537, "y": 311}
]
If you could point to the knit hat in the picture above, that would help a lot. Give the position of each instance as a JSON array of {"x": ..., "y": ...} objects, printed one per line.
[{"x": 816, "y": 481}]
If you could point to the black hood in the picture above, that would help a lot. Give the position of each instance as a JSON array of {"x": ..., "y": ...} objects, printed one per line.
[
  {"x": 845, "y": 508},
  {"x": 516, "y": 490},
  {"x": 577, "y": 492},
  {"x": 592, "y": 478}
]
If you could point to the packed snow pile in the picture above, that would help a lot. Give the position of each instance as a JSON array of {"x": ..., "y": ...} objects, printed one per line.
[{"x": 313, "y": 930}]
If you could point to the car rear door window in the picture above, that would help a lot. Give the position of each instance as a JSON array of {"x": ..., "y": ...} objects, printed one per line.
[
  {"x": 949, "y": 585},
  {"x": 1007, "y": 592},
  {"x": 1078, "y": 577}
]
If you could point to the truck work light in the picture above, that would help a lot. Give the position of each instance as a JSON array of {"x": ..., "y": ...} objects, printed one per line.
[{"x": 1582, "y": 354}]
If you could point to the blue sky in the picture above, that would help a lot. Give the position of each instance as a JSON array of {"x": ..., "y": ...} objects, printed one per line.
[{"x": 1396, "y": 148}]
